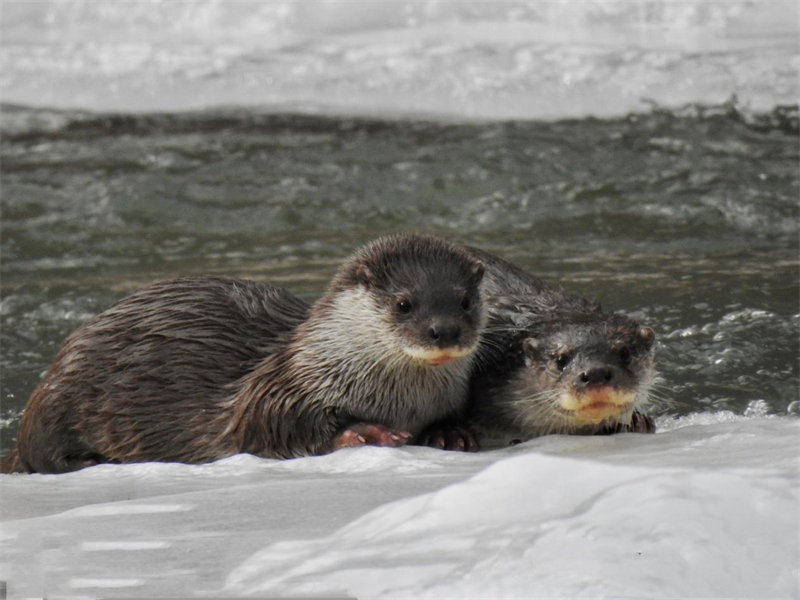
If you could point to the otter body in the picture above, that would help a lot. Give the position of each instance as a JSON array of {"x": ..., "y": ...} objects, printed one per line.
[
  {"x": 193, "y": 370},
  {"x": 553, "y": 362},
  {"x": 147, "y": 379}
]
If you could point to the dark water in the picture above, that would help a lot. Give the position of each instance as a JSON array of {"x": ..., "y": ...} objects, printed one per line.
[{"x": 686, "y": 220}]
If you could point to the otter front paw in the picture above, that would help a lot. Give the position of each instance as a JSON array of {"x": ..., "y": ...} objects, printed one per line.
[
  {"x": 448, "y": 437},
  {"x": 640, "y": 423},
  {"x": 360, "y": 434}
]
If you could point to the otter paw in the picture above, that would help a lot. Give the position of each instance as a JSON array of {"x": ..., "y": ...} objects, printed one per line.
[
  {"x": 448, "y": 437},
  {"x": 361, "y": 434},
  {"x": 641, "y": 423}
]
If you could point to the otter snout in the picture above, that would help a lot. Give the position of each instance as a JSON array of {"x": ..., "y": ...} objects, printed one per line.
[
  {"x": 444, "y": 334},
  {"x": 595, "y": 375},
  {"x": 441, "y": 341}
]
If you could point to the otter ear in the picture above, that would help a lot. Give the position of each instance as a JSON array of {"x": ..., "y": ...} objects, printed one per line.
[
  {"x": 648, "y": 335},
  {"x": 478, "y": 269},
  {"x": 595, "y": 306},
  {"x": 531, "y": 346},
  {"x": 364, "y": 275},
  {"x": 530, "y": 350}
]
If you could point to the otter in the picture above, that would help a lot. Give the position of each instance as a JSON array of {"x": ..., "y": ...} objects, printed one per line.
[
  {"x": 553, "y": 362},
  {"x": 197, "y": 369}
]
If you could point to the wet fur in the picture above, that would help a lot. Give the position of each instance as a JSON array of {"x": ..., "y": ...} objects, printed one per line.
[
  {"x": 515, "y": 392},
  {"x": 196, "y": 369},
  {"x": 370, "y": 379},
  {"x": 148, "y": 379}
]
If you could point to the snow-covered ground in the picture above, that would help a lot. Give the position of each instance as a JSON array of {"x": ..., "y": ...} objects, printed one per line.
[{"x": 710, "y": 507}]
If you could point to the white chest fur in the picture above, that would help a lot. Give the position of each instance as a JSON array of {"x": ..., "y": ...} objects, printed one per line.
[{"x": 360, "y": 366}]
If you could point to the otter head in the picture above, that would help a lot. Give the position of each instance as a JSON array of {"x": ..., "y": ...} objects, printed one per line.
[
  {"x": 583, "y": 370},
  {"x": 424, "y": 293}
]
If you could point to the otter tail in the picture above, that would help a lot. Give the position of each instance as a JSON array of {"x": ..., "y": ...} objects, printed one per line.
[{"x": 11, "y": 463}]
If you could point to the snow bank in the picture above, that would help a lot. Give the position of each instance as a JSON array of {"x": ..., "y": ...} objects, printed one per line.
[
  {"x": 541, "y": 525},
  {"x": 708, "y": 508}
]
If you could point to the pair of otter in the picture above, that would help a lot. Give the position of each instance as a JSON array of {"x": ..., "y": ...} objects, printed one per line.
[{"x": 416, "y": 340}]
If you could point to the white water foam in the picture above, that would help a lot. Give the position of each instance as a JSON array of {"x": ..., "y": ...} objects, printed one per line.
[{"x": 518, "y": 59}]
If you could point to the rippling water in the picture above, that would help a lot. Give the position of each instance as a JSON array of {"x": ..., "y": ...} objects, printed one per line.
[{"x": 686, "y": 219}]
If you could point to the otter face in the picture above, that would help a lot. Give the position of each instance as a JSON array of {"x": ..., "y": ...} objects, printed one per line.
[
  {"x": 427, "y": 292},
  {"x": 437, "y": 314},
  {"x": 440, "y": 322},
  {"x": 592, "y": 371}
]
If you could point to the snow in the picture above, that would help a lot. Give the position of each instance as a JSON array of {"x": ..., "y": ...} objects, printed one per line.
[
  {"x": 502, "y": 60},
  {"x": 709, "y": 507}
]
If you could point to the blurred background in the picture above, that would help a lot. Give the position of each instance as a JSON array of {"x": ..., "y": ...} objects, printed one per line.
[
  {"x": 643, "y": 153},
  {"x": 448, "y": 59}
]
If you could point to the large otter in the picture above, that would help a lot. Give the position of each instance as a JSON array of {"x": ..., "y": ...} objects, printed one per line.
[
  {"x": 553, "y": 362},
  {"x": 193, "y": 370}
]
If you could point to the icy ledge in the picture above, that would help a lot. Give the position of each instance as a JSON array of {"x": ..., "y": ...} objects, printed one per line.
[{"x": 703, "y": 510}]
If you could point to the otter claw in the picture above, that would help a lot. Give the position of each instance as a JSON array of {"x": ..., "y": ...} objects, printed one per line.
[
  {"x": 448, "y": 437},
  {"x": 640, "y": 423},
  {"x": 360, "y": 434}
]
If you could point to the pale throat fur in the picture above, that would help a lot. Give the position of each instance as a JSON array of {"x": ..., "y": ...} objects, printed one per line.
[{"x": 387, "y": 381}]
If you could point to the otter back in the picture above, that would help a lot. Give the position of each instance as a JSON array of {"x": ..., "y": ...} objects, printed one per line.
[{"x": 146, "y": 379}]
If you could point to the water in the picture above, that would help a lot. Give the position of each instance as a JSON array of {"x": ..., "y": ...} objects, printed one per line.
[{"x": 686, "y": 219}]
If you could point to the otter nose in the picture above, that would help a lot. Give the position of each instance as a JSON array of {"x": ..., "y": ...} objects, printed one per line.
[
  {"x": 444, "y": 334},
  {"x": 596, "y": 376}
]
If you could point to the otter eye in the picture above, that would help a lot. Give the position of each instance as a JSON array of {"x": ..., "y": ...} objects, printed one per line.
[
  {"x": 465, "y": 303},
  {"x": 562, "y": 360},
  {"x": 404, "y": 306},
  {"x": 624, "y": 355}
]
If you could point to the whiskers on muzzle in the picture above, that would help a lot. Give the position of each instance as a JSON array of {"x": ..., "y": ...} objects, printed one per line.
[
  {"x": 540, "y": 413},
  {"x": 654, "y": 393}
]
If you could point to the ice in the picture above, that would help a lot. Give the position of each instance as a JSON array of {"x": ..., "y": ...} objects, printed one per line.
[
  {"x": 106, "y": 546},
  {"x": 541, "y": 526},
  {"x": 709, "y": 507},
  {"x": 133, "y": 509},
  {"x": 517, "y": 59}
]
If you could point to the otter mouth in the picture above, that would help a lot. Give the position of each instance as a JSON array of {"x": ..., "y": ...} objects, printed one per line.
[
  {"x": 438, "y": 356},
  {"x": 598, "y": 405}
]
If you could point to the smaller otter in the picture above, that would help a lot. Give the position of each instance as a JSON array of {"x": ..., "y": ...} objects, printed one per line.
[
  {"x": 552, "y": 362},
  {"x": 194, "y": 370}
]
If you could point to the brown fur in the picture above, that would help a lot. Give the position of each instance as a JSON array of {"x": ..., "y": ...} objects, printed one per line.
[
  {"x": 196, "y": 369},
  {"x": 543, "y": 349},
  {"x": 144, "y": 379}
]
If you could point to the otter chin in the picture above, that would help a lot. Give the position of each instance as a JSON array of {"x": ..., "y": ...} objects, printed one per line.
[
  {"x": 438, "y": 357},
  {"x": 598, "y": 406}
]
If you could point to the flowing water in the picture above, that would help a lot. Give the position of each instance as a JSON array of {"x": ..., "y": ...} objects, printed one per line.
[{"x": 685, "y": 219}]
